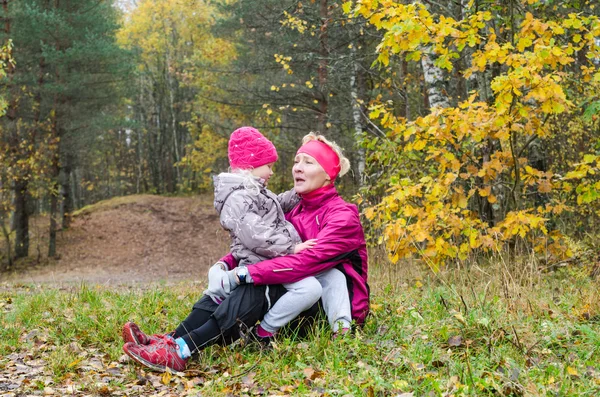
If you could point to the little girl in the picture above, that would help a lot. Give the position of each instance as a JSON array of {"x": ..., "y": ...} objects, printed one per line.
[{"x": 254, "y": 217}]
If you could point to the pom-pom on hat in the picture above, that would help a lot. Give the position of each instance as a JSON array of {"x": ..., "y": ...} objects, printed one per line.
[{"x": 248, "y": 148}]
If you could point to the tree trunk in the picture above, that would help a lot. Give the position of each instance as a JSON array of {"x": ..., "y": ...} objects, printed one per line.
[
  {"x": 434, "y": 81},
  {"x": 75, "y": 189},
  {"x": 171, "y": 88},
  {"x": 54, "y": 186},
  {"x": 55, "y": 137},
  {"x": 405, "y": 112},
  {"x": 7, "y": 243},
  {"x": 140, "y": 140},
  {"x": 21, "y": 218},
  {"x": 356, "y": 116},
  {"x": 65, "y": 191},
  {"x": 53, "y": 223},
  {"x": 322, "y": 72}
]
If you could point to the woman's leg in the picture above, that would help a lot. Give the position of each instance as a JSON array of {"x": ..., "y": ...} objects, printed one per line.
[
  {"x": 299, "y": 297},
  {"x": 335, "y": 298}
]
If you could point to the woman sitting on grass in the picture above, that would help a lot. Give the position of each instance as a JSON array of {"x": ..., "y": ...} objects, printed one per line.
[{"x": 248, "y": 292}]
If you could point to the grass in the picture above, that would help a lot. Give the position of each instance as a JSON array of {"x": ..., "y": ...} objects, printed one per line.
[{"x": 493, "y": 330}]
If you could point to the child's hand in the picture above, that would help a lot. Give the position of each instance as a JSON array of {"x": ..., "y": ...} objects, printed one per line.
[
  {"x": 305, "y": 245},
  {"x": 216, "y": 288}
]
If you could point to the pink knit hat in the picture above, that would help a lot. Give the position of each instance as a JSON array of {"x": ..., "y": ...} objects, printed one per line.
[{"x": 248, "y": 148}]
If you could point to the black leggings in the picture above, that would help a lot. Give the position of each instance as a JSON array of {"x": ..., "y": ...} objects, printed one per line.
[
  {"x": 198, "y": 330},
  {"x": 209, "y": 323}
]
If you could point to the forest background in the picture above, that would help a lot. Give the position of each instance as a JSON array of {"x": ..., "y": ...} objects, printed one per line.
[{"x": 472, "y": 126}]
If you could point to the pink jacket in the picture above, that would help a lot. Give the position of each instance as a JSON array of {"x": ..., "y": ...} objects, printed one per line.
[{"x": 323, "y": 215}]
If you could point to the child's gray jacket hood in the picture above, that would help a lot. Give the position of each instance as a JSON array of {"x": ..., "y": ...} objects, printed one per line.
[{"x": 255, "y": 217}]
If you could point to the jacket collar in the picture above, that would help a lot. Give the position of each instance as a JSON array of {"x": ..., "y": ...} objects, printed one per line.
[{"x": 316, "y": 198}]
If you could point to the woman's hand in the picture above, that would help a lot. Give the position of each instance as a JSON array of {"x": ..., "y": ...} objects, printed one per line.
[{"x": 305, "y": 245}]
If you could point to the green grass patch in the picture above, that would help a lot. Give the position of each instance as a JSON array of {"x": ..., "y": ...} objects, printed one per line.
[{"x": 459, "y": 333}]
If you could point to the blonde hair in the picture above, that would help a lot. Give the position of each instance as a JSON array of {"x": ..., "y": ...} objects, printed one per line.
[
  {"x": 250, "y": 181},
  {"x": 344, "y": 162}
]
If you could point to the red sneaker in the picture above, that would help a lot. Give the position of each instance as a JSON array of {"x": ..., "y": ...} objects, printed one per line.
[
  {"x": 157, "y": 356},
  {"x": 132, "y": 333}
]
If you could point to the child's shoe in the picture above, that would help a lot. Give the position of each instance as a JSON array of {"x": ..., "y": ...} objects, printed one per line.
[
  {"x": 132, "y": 333},
  {"x": 158, "y": 356},
  {"x": 263, "y": 337}
]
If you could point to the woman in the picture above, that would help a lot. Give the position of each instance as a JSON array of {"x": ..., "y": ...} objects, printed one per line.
[{"x": 321, "y": 214}]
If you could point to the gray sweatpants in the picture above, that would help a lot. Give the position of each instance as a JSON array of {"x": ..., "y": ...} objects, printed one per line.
[{"x": 330, "y": 286}]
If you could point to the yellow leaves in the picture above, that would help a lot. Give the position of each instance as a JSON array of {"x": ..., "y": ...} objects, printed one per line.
[
  {"x": 459, "y": 317},
  {"x": 578, "y": 173},
  {"x": 419, "y": 235},
  {"x": 545, "y": 186},
  {"x": 484, "y": 192},
  {"x": 524, "y": 42},
  {"x": 384, "y": 58},
  {"x": 519, "y": 223},
  {"x": 346, "y": 7},
  {"x": 480, "y": 60},
  {"x": 293, "y": 22},
  {"x": 572, "y": 371},
  {"x": 284, "y": 61},
  {"x": 573, "y": 22},
  {"x": 466, "y": 158},
  {"x": 460, "y": 200}
]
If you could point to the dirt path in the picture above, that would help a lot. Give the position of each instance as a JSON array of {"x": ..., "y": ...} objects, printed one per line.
[{"x": 134, "y": 239}]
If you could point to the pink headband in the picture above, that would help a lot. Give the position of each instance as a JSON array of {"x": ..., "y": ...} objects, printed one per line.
[{"x": 324, "y": 155}]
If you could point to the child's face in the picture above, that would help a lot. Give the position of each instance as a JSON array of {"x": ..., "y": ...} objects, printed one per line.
[{"x": 264, "y": 172}]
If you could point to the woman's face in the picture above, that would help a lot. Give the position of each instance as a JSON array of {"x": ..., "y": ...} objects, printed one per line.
[{"x": 308, "y": 174}]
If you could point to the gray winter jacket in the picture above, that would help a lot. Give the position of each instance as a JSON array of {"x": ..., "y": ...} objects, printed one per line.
[{"x": 255, "y": 218}]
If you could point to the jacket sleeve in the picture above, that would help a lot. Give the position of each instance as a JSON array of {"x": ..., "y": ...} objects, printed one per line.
[
  {"x": 288, "y": 200},
  {"x": 340, "y": 235},
  {"x": 229, "y": 260},
  {"x": 240, "y": 217}
]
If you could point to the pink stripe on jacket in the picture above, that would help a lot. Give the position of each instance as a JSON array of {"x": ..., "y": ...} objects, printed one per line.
[{"x": 323, "y": 215}]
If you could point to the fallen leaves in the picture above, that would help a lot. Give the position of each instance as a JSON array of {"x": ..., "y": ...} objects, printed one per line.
[{"x": 455, "y": 341}]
